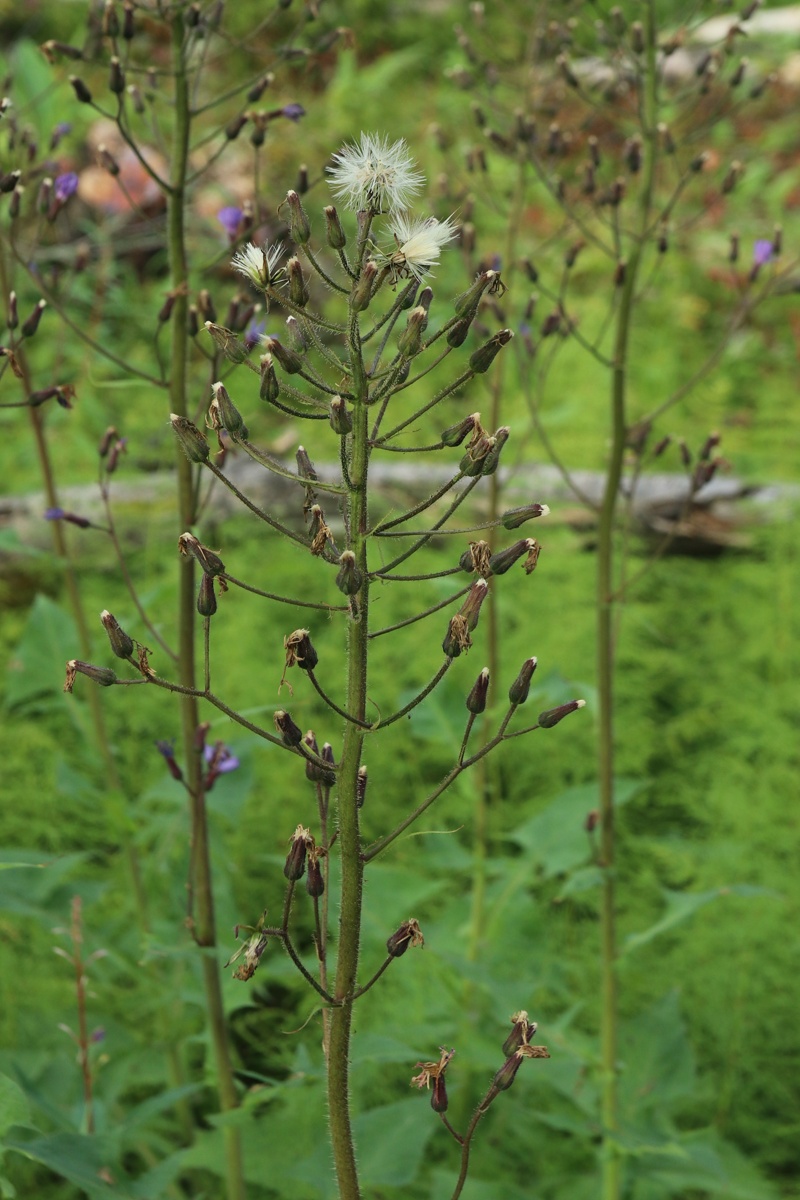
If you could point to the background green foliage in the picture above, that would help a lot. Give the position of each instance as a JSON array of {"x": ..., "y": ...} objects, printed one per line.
[{"x": 708, "y": 749}]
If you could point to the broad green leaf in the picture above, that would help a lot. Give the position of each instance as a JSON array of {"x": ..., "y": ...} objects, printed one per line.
[
  {"x": 86, "y": 1162},
  {"x": 36, "y": 668},
  {"x": 658, "y": 1064},
  {"x": 556, "y": 838},
  {"x": 14, "y": 1106},
  {"x": 681, "y": 905},
  {"x": 392, "y": 1140},
  {"x": 707, "y": 1164}
]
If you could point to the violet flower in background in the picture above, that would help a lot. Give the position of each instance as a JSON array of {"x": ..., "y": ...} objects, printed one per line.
[
  {"x": 60, "y": 514},
  {"x": 254, "y": 333},
  {"x": 230, "y": 218},
  {"x": 763, "y": 253},
  {"x": 220, "y": 758},
  {"x": 64, "y": 186},
  {"x": 61, "y": 130},
  {"x": 293, "y": 111}
]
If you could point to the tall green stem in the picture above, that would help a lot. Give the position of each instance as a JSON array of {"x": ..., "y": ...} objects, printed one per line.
[
  {"x": 611, "y": 1161},
  {"x": 200, "y": 868},
  {"x": 348, "y": 823}
]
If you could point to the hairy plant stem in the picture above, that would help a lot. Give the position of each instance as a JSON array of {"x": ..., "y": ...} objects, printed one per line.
[
  {"x": 200, "y": 866},
  {"x": 348, "y": 819},
  {"x": 611, "y": 1163}
]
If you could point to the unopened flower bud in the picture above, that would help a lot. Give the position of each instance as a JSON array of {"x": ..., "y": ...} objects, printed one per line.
[
  {"x": 288, "y": 359},
  {"x": 408, "y": 343},
  {"x": 484, "y": 356},
  {"x": 103, "y": 676},
  {"x": 409, "y": 934},
  {"x": 191, "y": 440},
  {"x": 739, "y": 74},
  {"x": 711, "y": 442},
  {"x": 82, "y": 93},
  {"x": 514, "y": 517},
  {"x": 637, "y": 37},
  {"x": 30, "y": 326},
  {"x": 349, "y": 578},
  {"x": 491, "y": 462},
  {"x": 340, "y": 419},
  {"x": 300, "y": 650},
  {"x": 476, "y": 700},
  {"x": 632, "y": 152},
  {"x": 733, "y": 249},
  {"x": 269, "y": 388},
  {"x": 471, "y": 608},
  {"x": 592, "y": 820},
  {"x": 337, "y": 239},
  {"x": 454, "y": 435},
  {"x": 518, "y": 692},
  {"x": 315, "y": 883},
  {"x": 8, "y": 182},
  {"x": 298, "y": 219},
  {"x": 210, "y": 562},
  {"x": 361, "y": 786},
  {"x": 206, "y": 599},
  {"x": 553, "y": 715},
  {"x": 504, "y": 560},
  {"x": 223, "y": 413},
  {"x": 698, "y": 162},
  {"x": 116, "y": 79},
  {"x": 507, "y": 1073},
  {"x": 291, "y": 734},
  {"x": 305, "y": 467},
  {"x": 298, "y": 288},
  {"x": 362, "y": 292},
  {"x": 121, "y": 643},
  {"x": 295, "y": 865},
  {"x": 234, "y": 350},
  {"x": 128, "y": 28},
  {"x": 458, "y": 332},
  {"x": 467, "y": 302},
  {"x": 12, "y": 318},
  {"x": 259, "y": 87}
]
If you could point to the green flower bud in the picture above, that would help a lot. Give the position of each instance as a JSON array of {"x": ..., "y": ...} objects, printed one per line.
[
  {"x": 467, "y": 302},
  {"x": 298, "y": 220},
  {"x": 121, "y": 643},
  {"x": 223, "y": 412},
  {"x": 206, "y": 599},
  {"x": 340, "y": 419},
  {"x": 553, "y": 715},
  {"x": 518, "y": 692},
  {"x": 349, "y": 578},
  {"x": 269, "y": 388},
  {"x": 227, "y": 341},
  {"x": 192, "y": 441},
  {"x": 335, "y": 234},
  {"x": 454, "y": 434},
  {"x": 408, "y": 343},
  {"x": 473, "y": 461},
  {"x": 476, "y": 700},
  {"x": 514, "y": 517},
  {"x": 485, "y": 355},
  {"x": 290, "y": 361},
  {"x": 298, "y": 288},
  {"x": 521, "y": 1033},
  {"x": 362, "y": 292},
  {"x": 492, "y": 459},
  {"x": 458, "y": 332}
]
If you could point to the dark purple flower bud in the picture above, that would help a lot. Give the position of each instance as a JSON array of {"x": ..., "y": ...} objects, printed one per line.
[
  {"x": 103, "y": 676},
  {"x": 507, "y": 1073},
  {"x": 295, "y": 866},
  {"x": 313, "y": 772},
  {"x": 167, "y": 751},
  {"x": 40, "y": 396},
  {"x": 258, "y": 89},
  {"x": 61, "y": 130},
  {"x": 476, "y": 700},
  {"x": 210, "y": 562},
  {"x": 521, "y": 1033},
  {"x": 116, "y": 77},
  {"x": 439, "y": 1094},
  {"x": 349, "y": 577},
  {"x": 300, "y": 650},
  {"x": 733, "y": 250},
  {"x": 504, "y": 560},
  {"x": 82, "y": 93},
  {"x": 553, "y": 715},
  {"x": 9, "y": 182},
  {"x": 286, "y": 357},
  {"x": 191, "y": 440},
  {"x": 206, "y": 598},
  {"x": 107, "y": 161},
  {"x": 470, "y": 609},
  {"x": 30, "y": 326},
  {"x": 302, "y": 184},
  {"x": 315, "y": 884},
  {"x": 593, "y": 818},
  {"x": 409, "y": 934},
  {"x": 128, "y": 29},
  {"x": 518, "y": 692},
  {"x": 291, "y": 734},
  {"x": 711, "y": 442},
  {"x": 235, "y": 127},
  {"x": 514, "y": 517},
  {"x": 327, "y": 754},
  {"x": 121, "y": 643}
]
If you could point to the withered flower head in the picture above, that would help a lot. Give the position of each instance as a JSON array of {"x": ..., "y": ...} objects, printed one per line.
[
  {"x": 433, "y": 1073},
  {"x": 409, "y": 934},
  {"x": 300, "y": 651},
  {"x": 301, "y": 842},
  {"x": 211, "y": 563}
]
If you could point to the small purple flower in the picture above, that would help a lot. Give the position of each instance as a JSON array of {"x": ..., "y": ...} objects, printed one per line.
[
  {"x": 230, "y": 218},
  {"x": 54, "y": 514},
  {"x": 763, "y": 252},
  {"x": 253, "y": 333},
  {"x": 220, "y": 759},
  {"x": 65, "y": 186},
  {"x": 61, "y": 130},
  {"x": 98, "y": 1035},
  {"x": 166, "y": 748},
  {"x": 293, "y": 111},
  {"x": 60, "y": 514}
]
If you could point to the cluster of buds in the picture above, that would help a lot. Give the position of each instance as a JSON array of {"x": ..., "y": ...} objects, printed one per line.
[
  {"x": 517, "y": 1047},
  {"x": 304, "y": 853}
]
